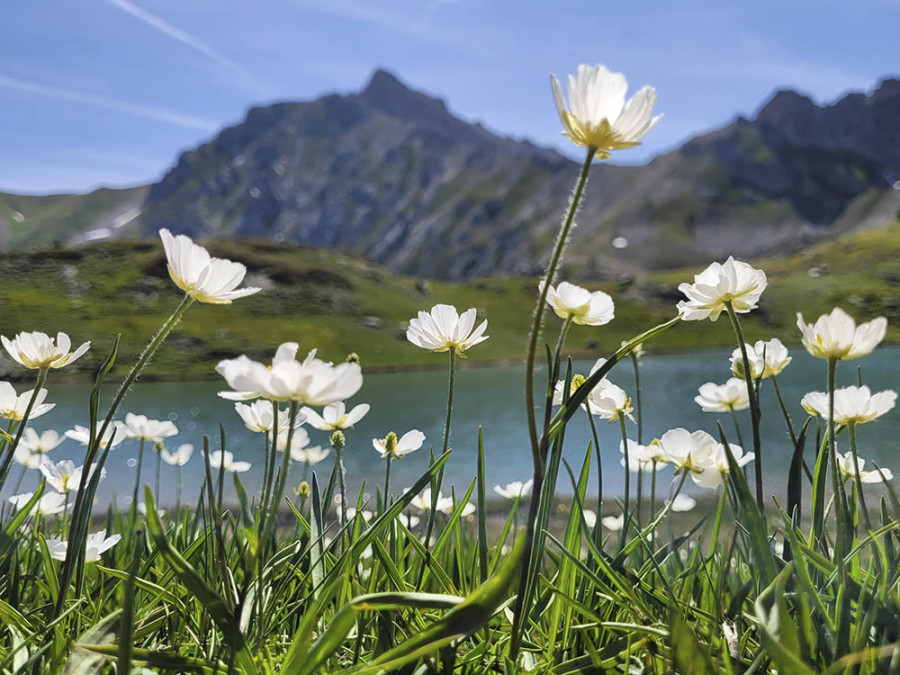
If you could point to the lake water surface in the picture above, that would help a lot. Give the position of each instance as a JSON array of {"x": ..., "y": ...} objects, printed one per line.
[{"x": 491, "y": 397}]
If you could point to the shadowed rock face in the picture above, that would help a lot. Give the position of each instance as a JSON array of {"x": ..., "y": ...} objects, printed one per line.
[{"x": 390, "y": 173}]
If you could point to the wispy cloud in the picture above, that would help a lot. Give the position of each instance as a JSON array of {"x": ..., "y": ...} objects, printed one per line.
[
  {"x": 87, "y": 98},
  {"x": 183, "y": 37}
]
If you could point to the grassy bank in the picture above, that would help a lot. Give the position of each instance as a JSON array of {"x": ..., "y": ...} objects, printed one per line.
[{"x": 341, "y": 303}]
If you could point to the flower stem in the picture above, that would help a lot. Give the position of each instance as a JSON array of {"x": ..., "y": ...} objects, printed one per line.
[
  {"x": 737, "y": 426},
  {"x": 637, "y": 398},
  {"x": 158, "y": 452},
  {"x": 137, "y": 484},
  {"x": 754, "y": 402},
  {"x": 339, "y": 455},
  {"x": 859, "y": 485},
  {"x": 627, "y": 513},
  {"x": 387, "y": 483},
  {"x": 11, "y": 450}
]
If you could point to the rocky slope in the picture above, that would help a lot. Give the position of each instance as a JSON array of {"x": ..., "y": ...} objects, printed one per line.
[{"x": 390, "y": 174}]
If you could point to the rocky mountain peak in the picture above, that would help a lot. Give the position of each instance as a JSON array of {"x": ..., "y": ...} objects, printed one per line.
[{"x": 387, "y": 93}]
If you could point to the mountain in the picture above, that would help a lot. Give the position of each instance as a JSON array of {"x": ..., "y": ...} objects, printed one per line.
[{"x": 391, "y": 174}]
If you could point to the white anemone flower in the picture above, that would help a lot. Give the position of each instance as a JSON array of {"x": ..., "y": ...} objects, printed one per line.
[
  {"x": 95, "y": 546},
  {"x": 726, "y": 397},
  {"x": 309, "y": 455},
  {"x": 514, "y": 490},
  {"x": 443, "y": 329},
  {"x": 732, "y": 282},
  {"x": 13, "y": 406},
  {"x": 688, "y": 451},
  {"x": 115, "y": 434},
  {"x": 27, "y": 457},
  {"x": 646, "y": 458},
  {"x": 335, "y": 416},
  {"x": 179, "y": 457},
  {"x": 390, "y": 446},
  {"x": 259, "y": 417},
  {"x": 220, "y": 459},
  {"x": 311, "y": 381},
  {"x": 767, "y": 358},
  {"x": 49, "y": 504},
  {"x": 590, "y": 517},
  {"x": 211, "y": 280},
  {"x": 610, "y": 402},
  {"x": 598, "y": 116},
  {"x": 444, "y": 504},
  {"x": 580, "y": 305},
  {"x": 852, "y": 405},
  {"x": 836, "y": 335},
  {"x": 153, "y": 431},
  {"x": 613, "y": 523},
  {"x": 715, "y": 466},
  {"x": 683, "y": 503},
  {"x": 64, "y": 476},
  {"x": 848, "y": 471},
  {"x": 300, "y": 448},
  {"x": 40, "y": 443},
  {"x": 38, "y": 350}
]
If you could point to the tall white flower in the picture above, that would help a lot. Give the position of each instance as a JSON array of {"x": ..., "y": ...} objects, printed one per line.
[
  {"x": 852, "y": 405},
  {"x": 311, "y": 381},
  {"x": 309, "y": 455},
  {"x": 767, "y": 358},
  {"x": 49, "y": 504},
  {"x": 335, "y": 416},
  {"x": 259, "y": 416},
  {"x": 27, "y": 457},
  {"x": 390, "y": 446},
  {"x": 39, "y": 350},
  {"x": 683, "y": 503},
  {"x": 848, "y": 471},
  {"x": 115, "y": 434},
  {"x": 613, "y": 523},
  {"x": 220, "y": 459},
  {"x": 732, "y": 281},
  {"x": 726, "y": 397},
  {"x": 64, "y": 476},
  {"x": 13, "y": 406},
  {"x": 40, "y": 443},
  {"x": 644, "y": 458},
  {"x": 206, "y": 279},
  {"x": 715, "y": 466},
  {"x": 179, "y": 457},
  {"x": 610, "y": 402},
  {"x": 444, "y": 504},
  {"x": 153, "y": 431},
  {"x": 444, "y": 329},
  {"x": 96, "y": 545},
  {"x": 688, "y": 451},
  {"x": 836, "y": 335},
  {"x": 597, "y": 115},
  {"x": 580, "y": 305},
  {"x": 514, "y": 490}
]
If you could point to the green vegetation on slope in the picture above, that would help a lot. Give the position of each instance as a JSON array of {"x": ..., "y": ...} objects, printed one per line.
[{"x": 340, "y": 304}]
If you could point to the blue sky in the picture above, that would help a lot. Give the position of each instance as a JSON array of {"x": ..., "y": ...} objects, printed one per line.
[{"x": 108, "y": 92}]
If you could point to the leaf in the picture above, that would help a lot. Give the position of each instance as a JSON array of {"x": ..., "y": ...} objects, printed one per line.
[
  {"x": 86, "y": 662},
  {"x": 687, "y": 653},
  {"x": 779, "y": 634}
]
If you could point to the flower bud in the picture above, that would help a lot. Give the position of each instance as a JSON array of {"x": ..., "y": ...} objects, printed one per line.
[{"x": 337, "y": 440}]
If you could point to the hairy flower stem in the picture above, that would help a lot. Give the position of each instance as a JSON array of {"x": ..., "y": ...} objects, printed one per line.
[
  {"x": 178, "y": 489},
  {"x": 81, "y": 511},
  {"x": 859, "y": 484},
  {"x": 11, "y": 450},
  {"x": 737, "y": 426},
  {"x": 137, "y": 484},
  {"x": 842, "y": 545},
  {"x": 627, "y": 513},
  {"x": 637, "y": 398},
  {"x": 537, "y": 454},
  {"x": 596, "y": 437},
  {"x": 158, "y": 452},
  {"x": 387, "y": 484},
  {"x": 283, "y": 470},
  {"x": 752, "y": 394},
  {"x": 339, "y": 456},
  {"x": 269, "y": 468}
]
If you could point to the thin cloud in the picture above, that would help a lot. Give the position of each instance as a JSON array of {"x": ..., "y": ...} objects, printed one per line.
[
  {"x": 181, "y": 36},
  {"x": 86, "y": 98}
]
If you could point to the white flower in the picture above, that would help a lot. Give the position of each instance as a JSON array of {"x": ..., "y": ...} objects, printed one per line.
[
  {"x": 259, "y": 417},
  {"x": 409, "y": 522},
  {"x": 443, "y": 329},
  {"x": 206, "y": 279},
  {"x": 335, "y": 416},
  {"x": 715, "y": 466},
  {"x": 153, "y": 431},
  {"x": 12, "y": 406},
  {"x": 579, "y": 304},
  {"x": 610, "y": 402},
  {"x": 115, "y": 434},
  {"x": 643, "y": 457},
  {"x": 590, "y": 517},
  {"x": 39, "y": 350},
  {"x": 514, "y": 490},
  {"x": 142, "y": 509},
  {"x": 27, "y": 457},
  {"x": 845, "y": 463},
  {"x": 178, "y": 458},
  {"x": 64, "y": 476},
  {"x": 766, "y": 358},
  {"x": 688, "y": 451},
  {"x": 852, "y": 405},
  {"x": 735, "y": 282},
  {"x": 598, "y": 116},
  {"x": 300, "y": 450},
  {"x": 40, "y": 443},
  {"x": 637, "y": 351},
  {"x": 311, "y": 381},
  {"x": 732, "y": 395},
  {"x": 683, "y": 503},
  {"x": 444, "y": 504},
  {"x": 96, "y": 544},
  {"x": 389, "y": 446},
  {"x": 836, "y": 335},
  {"x": 49, "y": 504},
  {"x": 311, "y": 456},
  {"x": 613, "y": 523},
  {"x": 219, "y": 459}
]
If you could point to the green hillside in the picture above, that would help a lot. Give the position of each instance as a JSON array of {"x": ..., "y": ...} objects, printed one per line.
[{"x": 341, "y": 304}]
